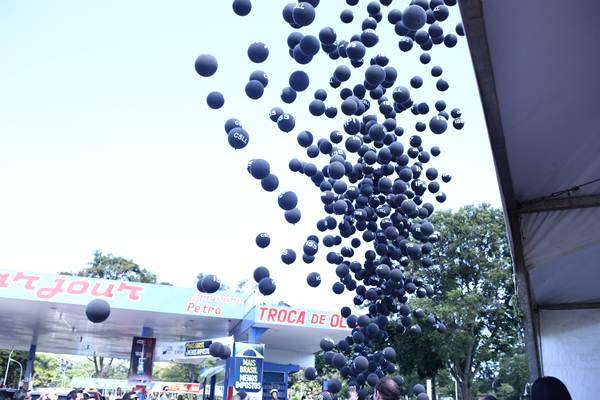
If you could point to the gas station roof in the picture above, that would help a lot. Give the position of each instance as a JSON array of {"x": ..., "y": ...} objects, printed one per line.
[{"x": 53, "y": 308}]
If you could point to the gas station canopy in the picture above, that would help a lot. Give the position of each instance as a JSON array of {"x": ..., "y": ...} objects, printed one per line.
[
  {"x": 50, "y": 310},
  {"x": 537, "y": 66}
]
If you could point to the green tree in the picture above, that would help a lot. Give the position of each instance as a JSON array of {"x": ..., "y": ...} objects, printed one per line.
[
  {"x": 12, "y": 379},
  {"x": 108, "y": 266},
  {"x": 182, "y": 372},
  {"x": 475, "y": 298},
  {"x": 46, "y": 371},
  {"x": 512, "y": 371}
]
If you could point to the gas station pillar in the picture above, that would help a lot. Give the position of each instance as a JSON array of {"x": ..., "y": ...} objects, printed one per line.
[{"x": 30, "y": 361}]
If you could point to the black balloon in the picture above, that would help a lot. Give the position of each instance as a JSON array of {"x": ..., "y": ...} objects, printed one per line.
[
  {"x": 97, "y": 311},
  {"x": 216, "y": 349}
]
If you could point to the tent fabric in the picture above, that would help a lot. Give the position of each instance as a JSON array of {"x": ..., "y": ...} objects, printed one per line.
[
  {"x": 561, "y": 250},
  {"x": 545, "y": 63},
  {"x": 537, "y": 66},
  {"x": 570, "y": 349}
]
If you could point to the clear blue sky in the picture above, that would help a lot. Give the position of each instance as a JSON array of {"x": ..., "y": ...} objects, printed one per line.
[{"x": 106, "y": 141}]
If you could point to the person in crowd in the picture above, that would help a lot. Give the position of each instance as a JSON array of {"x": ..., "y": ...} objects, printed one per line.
[
  {"x": 273, "y": 394},
  {"x": 387, "y": 389},
  {"x": 487, "y": 397},
  {"x": 549, "y": 388},
  {"x": 163, "y": 396},
  {"x": 72, "y": 395},
  {"x": 179, "y": 397}
]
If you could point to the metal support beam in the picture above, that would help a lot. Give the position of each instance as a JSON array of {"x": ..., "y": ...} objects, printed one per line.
[
  {"x": 558, "y": 203},
  {"x": 147, "y": 332},
  {"x": 30, "y": 361},
  {"x": 473, "y": 20},
  {"x": 569, "y": 306},
  {"x": 255, "y": 333},
  {"x": 213, "y": 384}
]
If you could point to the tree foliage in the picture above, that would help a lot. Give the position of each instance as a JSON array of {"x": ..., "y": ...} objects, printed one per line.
[
  {"x": 475, "y": 298},
  {"x": 46, "y": 371},
  {"x": 12, "y": 379},
  {"x": 108, "y": 266}
]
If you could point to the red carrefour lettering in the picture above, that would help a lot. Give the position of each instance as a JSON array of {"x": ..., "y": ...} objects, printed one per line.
[
  {"x": 107, "y": 292},
  {"x": 133, "y": 290},
  {"x": 73, "y": 289},
  {"x": 29, "y": 278},
  {"x": 3, "y": 278},
  {"x": 47, "y": 293}
]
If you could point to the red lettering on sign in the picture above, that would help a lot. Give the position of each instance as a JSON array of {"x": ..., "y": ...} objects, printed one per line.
[
  {"x": 133, "y": 290},
  {"x": 207, "y": 309},
  {"x": 337, "y": 321},
  {"x": 262, "y": 312},
  {"x": 3, "y": 278},
  {"x": 291, "y": 316},
  {"x": 29, "y": 278},
  {"x": 48, "y": 293},
  {"x": 203, "y": 309},
  {"x": 271, "y": 315},
  {"x": 281, "y": 315},
  {"x": 73, "y": 289},
  {"x": 107, "y": 292},
  {"x": 301, "y": 318},
  {"x": 314, "y": 318}
]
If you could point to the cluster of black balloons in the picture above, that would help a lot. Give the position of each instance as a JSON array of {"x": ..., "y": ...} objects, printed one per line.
[
  {"x": 208, "y": 284},
  {"x": 219, "y": 350},
  {"x": 377, "y": 186},
  {"x": 237, "y": 136}
]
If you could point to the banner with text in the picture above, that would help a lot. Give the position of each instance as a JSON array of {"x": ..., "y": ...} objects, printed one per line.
[
  {"x": 31, "y": 286},
  {"x": 299, "y": 317},
  {"x": 142, "y": 354},
  {"x": 187, "y": 351},
  {"x": 248, "y": 369}
]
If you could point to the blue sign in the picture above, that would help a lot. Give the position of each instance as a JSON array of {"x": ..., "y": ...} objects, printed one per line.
[{"x": 248, "y": 369}]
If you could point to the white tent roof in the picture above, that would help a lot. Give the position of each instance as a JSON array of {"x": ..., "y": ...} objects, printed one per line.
[{"x": 537, "y": 64}]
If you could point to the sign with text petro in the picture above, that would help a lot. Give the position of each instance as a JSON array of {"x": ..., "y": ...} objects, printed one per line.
[
  {"x": 299, "y": 317},
  {"x": 248, "y": 369},
  {"x": 121, "y": 294}
]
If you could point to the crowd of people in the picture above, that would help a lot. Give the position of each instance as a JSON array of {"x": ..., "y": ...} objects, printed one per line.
[{"x": 545, "y": 388}]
